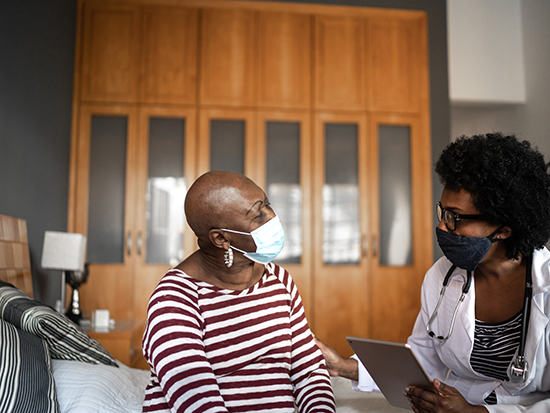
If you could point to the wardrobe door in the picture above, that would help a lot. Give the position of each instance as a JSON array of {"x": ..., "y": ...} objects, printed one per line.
[
  {"x": 397, "y": 52},
  {"x": 340, "y": 68},
  {"x": 284, "y": 62},
  {"x": 166, "y": 159},
  {"x": 342, "y": 208},
  {"x": 102, "y": 205},
  {"x": 109, "y": 52},
  {"x": 228, "y": 38},
  {"x": 285, "y": 153},
  {"x": 169, "y": 66},
  {"x": 226, "y": 142},
  {"x": 402, "y": 237}
]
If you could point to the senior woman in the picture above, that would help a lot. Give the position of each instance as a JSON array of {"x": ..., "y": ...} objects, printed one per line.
[
  {"x": 494, "y": 219},
  {"x": 226, "y": 330}
]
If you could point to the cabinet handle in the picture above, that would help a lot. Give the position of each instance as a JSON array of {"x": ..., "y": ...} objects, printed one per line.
[
  {"x": 364, "y": 245},
  {"x": 375, "y": 246},
  {"x": 129, "y": 242},
  {"x": 139, "y": 243}
]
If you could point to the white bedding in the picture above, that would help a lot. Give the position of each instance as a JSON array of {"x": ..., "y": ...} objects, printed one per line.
[{"x": 86, "y": 388}]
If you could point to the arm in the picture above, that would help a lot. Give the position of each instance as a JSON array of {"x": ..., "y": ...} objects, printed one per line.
[
  {"x": 309, "y": 376},
  {"x": 174, "y": 348}
]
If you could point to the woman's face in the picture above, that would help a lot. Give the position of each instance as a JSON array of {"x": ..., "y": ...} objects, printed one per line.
[
  {"x": 252, "y": 210},
  {"x": 460, "y": 202}
]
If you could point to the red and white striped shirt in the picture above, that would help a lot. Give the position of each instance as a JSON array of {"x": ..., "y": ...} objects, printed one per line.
[{"x": 217, "y": 350}]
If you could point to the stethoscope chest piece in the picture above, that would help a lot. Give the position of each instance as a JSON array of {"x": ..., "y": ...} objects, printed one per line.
[{"x": 518, "y": 370}]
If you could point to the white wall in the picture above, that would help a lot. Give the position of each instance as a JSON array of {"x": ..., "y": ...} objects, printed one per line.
[
  {"x": 485, "y": 51},
  {"x": 531, "y": 120}
]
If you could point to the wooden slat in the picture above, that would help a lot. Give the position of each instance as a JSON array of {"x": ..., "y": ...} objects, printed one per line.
[{"x": 15, "y": 261}]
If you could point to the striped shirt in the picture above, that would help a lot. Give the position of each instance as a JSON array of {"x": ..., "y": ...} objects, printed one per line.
[
  {"x": 495, "y": 345},
  {"x": 217, "y": 350}
]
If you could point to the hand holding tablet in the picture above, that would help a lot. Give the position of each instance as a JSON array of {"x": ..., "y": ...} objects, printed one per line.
[{"x": 393, "y": 366}]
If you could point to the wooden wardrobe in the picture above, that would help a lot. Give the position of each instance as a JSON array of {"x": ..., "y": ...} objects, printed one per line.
[{"x": 325, "y": 107}]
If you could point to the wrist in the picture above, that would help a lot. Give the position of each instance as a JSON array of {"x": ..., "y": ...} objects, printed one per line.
[{"x": 349, "y": 369}]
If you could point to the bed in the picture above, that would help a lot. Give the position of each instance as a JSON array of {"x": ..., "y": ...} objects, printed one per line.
[{"x": 48, "y": 364}]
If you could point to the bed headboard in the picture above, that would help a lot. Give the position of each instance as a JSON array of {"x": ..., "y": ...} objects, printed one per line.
[{"x": 15, "y": 263}]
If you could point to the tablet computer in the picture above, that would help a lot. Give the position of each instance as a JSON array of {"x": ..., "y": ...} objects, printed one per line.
[{"x": 393, "y": 366}]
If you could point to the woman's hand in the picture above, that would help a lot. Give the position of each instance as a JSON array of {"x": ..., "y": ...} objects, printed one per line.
[
  {"x": 336, "y": 364},
  {"x": 447, "y": 399}
]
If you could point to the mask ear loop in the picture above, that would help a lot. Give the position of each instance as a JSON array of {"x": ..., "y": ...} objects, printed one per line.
[{"x": 492, "y": 235}]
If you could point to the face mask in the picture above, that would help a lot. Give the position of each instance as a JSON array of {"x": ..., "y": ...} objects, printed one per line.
[
  {"x": 464, "y": 252},
  {"x": 269, "y": 240}
]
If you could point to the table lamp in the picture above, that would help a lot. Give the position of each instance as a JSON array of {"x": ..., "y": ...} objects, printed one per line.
[{"x": 66, "y": 251}]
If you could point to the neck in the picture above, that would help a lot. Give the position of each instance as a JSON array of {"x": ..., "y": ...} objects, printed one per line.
[
  {"x": 500, "y": 267},
  {"x": 209, "y": 267}
]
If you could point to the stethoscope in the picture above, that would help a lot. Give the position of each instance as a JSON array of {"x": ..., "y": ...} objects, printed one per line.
[{"x": 519, "y": 367}]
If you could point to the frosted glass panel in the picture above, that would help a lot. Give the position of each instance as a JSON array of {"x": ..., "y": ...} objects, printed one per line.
[
  {"x": 107, "y": 189},
  {"x": 166, "y": 190},
  {"x": 341, "y": 226},
  {"x": 395, "y": 195},
  {"x": 227, "y": 145},
  {"x": 283, "y": 184}
]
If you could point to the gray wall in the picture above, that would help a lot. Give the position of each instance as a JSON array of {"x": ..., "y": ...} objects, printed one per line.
[{"x": 36, "y": 78}]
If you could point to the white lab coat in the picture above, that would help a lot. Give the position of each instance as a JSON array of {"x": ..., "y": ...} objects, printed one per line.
[{"x": 450, "y": 361}]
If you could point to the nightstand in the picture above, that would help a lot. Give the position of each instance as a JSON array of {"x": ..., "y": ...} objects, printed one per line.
[{"x": 123, "y": 342}]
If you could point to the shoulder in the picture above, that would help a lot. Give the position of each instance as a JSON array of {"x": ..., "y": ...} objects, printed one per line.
[
  {"x": 177, "y": 279},
  {"x": 281, "y": 275},
  {"x": 175, "y": 285}
]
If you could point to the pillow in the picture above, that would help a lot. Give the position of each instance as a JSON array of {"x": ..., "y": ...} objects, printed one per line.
[
  {"x": 64, "y": 339},
  {"x": 27, "y": 383},
  {"x": 85, "y": 388}
]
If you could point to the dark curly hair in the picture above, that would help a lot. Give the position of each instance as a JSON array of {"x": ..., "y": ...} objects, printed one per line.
[{"x": 509, "y": 183}]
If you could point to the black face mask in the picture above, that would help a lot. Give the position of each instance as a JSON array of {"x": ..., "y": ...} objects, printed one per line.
[{"x": 464, "y": 252}]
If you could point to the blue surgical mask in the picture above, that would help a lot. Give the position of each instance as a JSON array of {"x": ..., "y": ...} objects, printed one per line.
[
  {"x": 464, "y": 252},
  {"x": 269, "y": 240}
]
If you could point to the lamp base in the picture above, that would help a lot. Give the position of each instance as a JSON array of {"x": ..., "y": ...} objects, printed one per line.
[{"x": 74, "y": 312}]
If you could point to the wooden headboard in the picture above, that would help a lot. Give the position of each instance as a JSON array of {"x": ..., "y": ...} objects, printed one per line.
[{"x": 15, "y": 263}]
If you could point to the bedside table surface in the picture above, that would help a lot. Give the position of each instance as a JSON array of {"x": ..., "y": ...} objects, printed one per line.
[
  {"x": 122, "y": 329},
  {"x": 123, "y": 341}
]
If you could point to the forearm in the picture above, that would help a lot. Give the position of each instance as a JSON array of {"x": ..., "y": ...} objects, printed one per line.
[{"x": 348, "y": 368}]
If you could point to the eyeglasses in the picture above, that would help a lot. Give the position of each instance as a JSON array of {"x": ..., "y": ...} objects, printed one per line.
[{"x": 450, "y": 217}]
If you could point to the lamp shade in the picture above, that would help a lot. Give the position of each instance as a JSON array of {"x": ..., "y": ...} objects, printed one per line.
[{"x": 64, "y": 251}]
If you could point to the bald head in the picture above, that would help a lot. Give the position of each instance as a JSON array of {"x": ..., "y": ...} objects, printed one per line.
[{"x": 214, "y": 198}]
